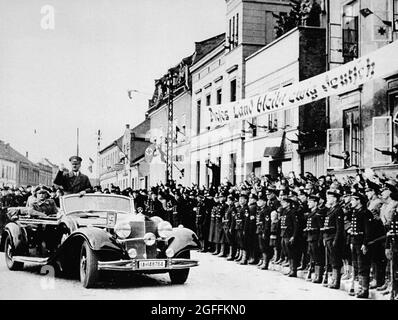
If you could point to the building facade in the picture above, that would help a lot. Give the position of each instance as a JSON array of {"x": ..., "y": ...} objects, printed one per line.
[
  {"x": 289, "y": 139},
  {"x": 218, "y": 154},
  {"x": 173, "y": 89},
  {"x": 363, "y": 119}
]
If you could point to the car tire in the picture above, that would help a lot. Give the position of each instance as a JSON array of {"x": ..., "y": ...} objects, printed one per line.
[
  {"x": 88, "y": 266},
  {"x": 8, "y": 253},
  {"x": 180, "y": 276}
]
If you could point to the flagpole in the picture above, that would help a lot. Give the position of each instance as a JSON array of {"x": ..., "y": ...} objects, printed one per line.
[{"x": 77, "y": 142}]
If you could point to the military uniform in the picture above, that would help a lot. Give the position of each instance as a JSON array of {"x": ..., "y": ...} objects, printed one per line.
[
  {"x": 263, "y": 231},
  {"x": 312, "y": 230},
  {"x": 200, "y": 211},
  {"x": 249, "y": 234},
  {"x": 361, "y": 234},
  {"x": 289, "y": 235},
  {"x": 392, "y": 249},
  {"x": 333, "y": 239},
  {"x": 241, "y": 214},
  {"x": 228, "y": 234},
  {"x": 73, "y": 183},
  {"x": 212, "y": 229}
]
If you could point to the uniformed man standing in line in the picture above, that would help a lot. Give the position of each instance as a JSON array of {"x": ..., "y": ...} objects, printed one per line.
[
  {"x": 377, "y": 254},
  {"x": 200, "y": 211},
  {"x": 333, "y": 238},
  {"x": 361, "y": 234},
  {"x": 263, "y": 231},
  {"x": 74, "y": 181},
  {"x": 219, "y": 225},
  {"x": 212, "y": 230},
  {"x": 392, "y": 253},
  {"x": 289, "y": 233},
  {"x": 228, "y": 224},
  {"x": 242, "y": 214},
  {"x": 209, "y": 203},
  {"x": 313, "y": 237},
  {"x": 249, "y": 226}
]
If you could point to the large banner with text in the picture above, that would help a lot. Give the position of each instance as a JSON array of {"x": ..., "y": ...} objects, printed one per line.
[{"x": 378, "y": 64}]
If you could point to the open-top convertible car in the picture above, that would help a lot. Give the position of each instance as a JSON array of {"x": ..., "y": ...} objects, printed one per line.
[{"x": 97, "y": 232}]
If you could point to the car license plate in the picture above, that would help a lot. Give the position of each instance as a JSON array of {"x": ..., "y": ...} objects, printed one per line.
[
  {"x": 111, "y": 219},
  {"x": 152, "y": 264}
]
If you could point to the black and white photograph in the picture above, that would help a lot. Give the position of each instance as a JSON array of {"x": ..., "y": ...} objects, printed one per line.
[{"x": 198, "y": 150}]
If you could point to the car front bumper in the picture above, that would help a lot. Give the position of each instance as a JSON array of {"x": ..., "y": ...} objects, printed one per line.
[{"x": 147, "y": 264}]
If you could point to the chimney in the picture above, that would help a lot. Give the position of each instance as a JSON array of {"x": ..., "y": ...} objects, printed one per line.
[
  {"x": 127, "y": 126},
  {"x": 27, "y": 154}
]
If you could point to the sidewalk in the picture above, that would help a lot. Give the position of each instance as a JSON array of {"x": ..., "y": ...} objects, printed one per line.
[{"x": 344, "y": 284}]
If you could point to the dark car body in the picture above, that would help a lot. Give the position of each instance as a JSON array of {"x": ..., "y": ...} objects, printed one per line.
[{"x": 94, "y": 233}]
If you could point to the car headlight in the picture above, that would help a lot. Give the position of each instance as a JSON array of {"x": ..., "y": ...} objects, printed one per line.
[
  {"x": 169, "y": 253},
  {"x": 132, "y": 253},
  {"x": 149, "y": 239},
  {"x": 164, "y": 229},
  {"x": 122, "y": 230}
]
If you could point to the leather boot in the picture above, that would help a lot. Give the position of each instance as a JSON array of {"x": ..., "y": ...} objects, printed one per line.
[
  {"x": 364, "y": 288},
  {"x": 261, "y": 261},
  {"x": 336, "y": 279},
  {"x": 237, "y": 254},
  {"x": 384, "y": 286},
  {"x": 293, "y": 269},
  {"x": 325, "y": 279},
  {"x": 285, "y": 263},
  {"x": 244, "y": 258},
  {"x": 217, "y": 250},
  {"x": 231, "y": 255},
  {"x": 318, "y": 277},
  {"x": 253, "y": 259},
  {"x": 264, "y": 264},
  {"x": 310, "y": 271},
  {"x": 222, "y": 250}
]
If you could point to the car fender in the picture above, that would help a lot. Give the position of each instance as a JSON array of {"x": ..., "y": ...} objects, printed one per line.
[
  {"x": 97, "y": 238},
  {"x": 182, "y": 239},
  {"x": 17, "y": 234},
  {"x": 70, "y": 223}
]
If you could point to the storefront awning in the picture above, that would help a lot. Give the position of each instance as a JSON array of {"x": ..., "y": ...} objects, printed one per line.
[{"x": 273, "y": 144}]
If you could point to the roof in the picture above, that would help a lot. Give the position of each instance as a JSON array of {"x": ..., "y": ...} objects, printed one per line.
[
  {"x": 10, "y": 154},
  {"x": 118, "y": 141},
  {"x": 202, "y": 48}
]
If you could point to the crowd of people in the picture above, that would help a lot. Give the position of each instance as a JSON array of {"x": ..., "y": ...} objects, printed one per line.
[{"x": 333, "y": 229}]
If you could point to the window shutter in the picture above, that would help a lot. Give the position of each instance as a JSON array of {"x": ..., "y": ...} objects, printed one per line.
[
  {"x": 382, "y": 139},
  {"x": 335, "y": 145}
]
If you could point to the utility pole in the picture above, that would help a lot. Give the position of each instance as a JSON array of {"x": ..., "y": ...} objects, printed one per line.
[
  {"x": 98, "y": 152},
  {"x": 170, "y": 131}
]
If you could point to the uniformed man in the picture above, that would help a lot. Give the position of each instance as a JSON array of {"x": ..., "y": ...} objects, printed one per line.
[
  {"x": 74, "y": 181},
  {"x": 249, "y": 227},
  {"x": 209, "y": 204},
  {"x": 392, "y": 253},
  {"x": 241, "y": 215},
  {"x": 200, "y": 211},
  {"x": 228, "y": 232},
  {"x": 290, "y": 233},
  {"x": 263, "y": 231},
  {"x": 220, "y": 239},
  {"x": 333, "y": 237},
  {"x": 361, "y": 234},
  {"x": 313, "y": 236},
  {"x": 377, "y": 250},
  {"x": 212, "y": 230}
]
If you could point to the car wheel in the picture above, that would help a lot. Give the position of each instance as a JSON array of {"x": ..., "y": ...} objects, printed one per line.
[
  {"x": 9, "y": 253},
  {"x": 180, "y": 276},
  {"x": 88, "y": 266}
]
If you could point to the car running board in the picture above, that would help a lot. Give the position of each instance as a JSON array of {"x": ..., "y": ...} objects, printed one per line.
[{"x": 38, "y": 261}]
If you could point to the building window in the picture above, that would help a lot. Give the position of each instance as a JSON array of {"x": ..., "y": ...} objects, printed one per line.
[
  {"x": 351, "y": 134},
  {"x": 233, "y": 33},
  {"x": 233, "y": 90},
  {"x": 395, "y": 17},
  {"x": 350, "y": 31},
  {"x": 272, "y": 122},
  {"x": 198, "y": 106},
  {"x": 208, "y": 100},
  {"x": 335, "y": 146},
  {"x": 382, "y": 139},
  {"x": 198, "y": 173},
  {"x": 219, "y": 96},
  {"x": 236, "y": 40},
  {"x": 232, "y": 168}
]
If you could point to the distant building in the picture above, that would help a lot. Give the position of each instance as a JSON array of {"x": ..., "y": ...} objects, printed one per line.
[
  {"x": 18, "y": 170},
  {"x": 48, "y": 164},
  {"x": 119, "y": 161}
]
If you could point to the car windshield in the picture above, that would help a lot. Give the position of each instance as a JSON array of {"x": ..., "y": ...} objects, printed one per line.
[{"x": 92, "y": 203}]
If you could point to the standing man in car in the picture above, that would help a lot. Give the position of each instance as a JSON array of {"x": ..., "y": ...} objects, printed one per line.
[{"x": 74, "y": 181}]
